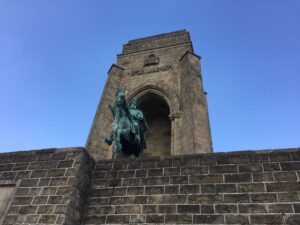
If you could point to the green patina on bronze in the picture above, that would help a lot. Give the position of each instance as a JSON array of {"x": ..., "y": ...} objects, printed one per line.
[{"x": 128, "y": 129}]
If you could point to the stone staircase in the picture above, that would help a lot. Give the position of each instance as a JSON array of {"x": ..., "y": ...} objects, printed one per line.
[{"x": 250, "y": 187}]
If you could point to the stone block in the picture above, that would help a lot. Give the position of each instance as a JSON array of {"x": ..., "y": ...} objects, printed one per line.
[
  {"x": 237, "y": 219},
  {"x": 28, "y": 209},
  {"x": 252, "y": 208},
  {"x": 22, "y": 175},
  {"x": 173, "y": 189},
  {"x": 164, "y": 163},
  {"x": 155, "y": 172},
  {"x": 279, "y": 156},
  {"x": 149, "y": 209},
  {"x": 47, "y": 219},
  {"x": 64, "y": 190},
  {"x": 45, "y": 209},
  {"x": 237, "y": 178},
  {"x": 280, "y": 208},
  {"x": 266, "y": 219},
  {"x": 40, "y": 200},
  {"x": 22, "y": 200},
  {"x": 22, "y": 191},
  {"x": 128, "y": 200},
  {"x": 19, "y": 166},
  {"x": 155, "y": 181},
  {"x": 166, "y": 209},
  {"x": 178, "y": 179},
  {"x": 256, "y": 157},
  {"x": 233, "y": 159},
  {"x": 207, "y": 209},
  {"x": 117, "y": 182},
  {"x": 55, "y": 200},
  {"x": 135, "y": 190},
  {"x": 141, "y": 173},
  {"x": 201, "y": 179},
  {"x": 32, "y": 219},
  {"x": 56, "y": 172},
  {"x": 137, "y": 219},
  {"x": 189, "y": 189},
  {"x": 126, "y": 173},
  {"x": 129, "y": 182},
  {"x": 195, "y": 209},
  {"x": 44, "y": 182},
  {"x": 128, "y": 209},
  {"x": 271, "y": 167},
  {"x": 153, "y": 190},
  {"x": 194, "y": 170},
  {"x": 236, "y": 198},
  {"x": 95, "y": 219},
  {"x": 226, "y": 188},
  {"x": 250, "y": 168},
  {"x": 283, "y": 186},
  {"x": 226, "y": 208},
  {"x": 223, "y": 169},
  {"x": 251, "y": 187},
  {"x": 264, "y": 197},
  {"x": 6, "y": 167},
  {"x": 134, "y": 165},
  {"x": 285, "y": 176},
  {"x": 29, "y": 182},
  {"x": 178, "y": 218},
  {"x": 105, "y": 210},
  {"x": 43, "y": 157},
  {"x": 156, "y": 218},
  {"x": 61, "y": 181},
  {"x": 148, "y": 164},
  {"x": 205, "y": 199},
  {"x": 292, "y": 219},
  {"x": 262, "y": 177},
  {"x": 10, "y": 219},
  {"x": 208, "y": 188},
  {"x": 290, "y": 166},
  {"x": 208, "y": 219},
  {"x": 288, "y": 197},
  {"x": 34, "y": 191},
  {"x": 167, "y": 199},
  {"x": 42, "y": 165},
  {"x": 65, "y": 164},
  {"x": 296, "y": 207},
  {"x": 58, "y": 156}
]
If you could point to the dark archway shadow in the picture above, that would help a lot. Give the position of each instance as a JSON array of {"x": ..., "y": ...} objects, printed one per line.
[{"x": 156, "y": 112}]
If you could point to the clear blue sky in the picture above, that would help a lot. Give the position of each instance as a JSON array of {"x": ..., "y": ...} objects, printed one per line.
[{"x": 54, "y": 58}]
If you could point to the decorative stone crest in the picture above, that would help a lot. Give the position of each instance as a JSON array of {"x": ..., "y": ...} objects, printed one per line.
[{"x": 151, "y": 60}]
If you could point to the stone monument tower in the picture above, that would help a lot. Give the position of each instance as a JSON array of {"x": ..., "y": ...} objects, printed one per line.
[{"x": 163, "y": 74}]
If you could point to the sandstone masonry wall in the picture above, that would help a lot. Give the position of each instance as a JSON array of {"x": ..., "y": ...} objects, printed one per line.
[
  {"x": 252, "y": 187},
  {"x": 51, "y": 185}
]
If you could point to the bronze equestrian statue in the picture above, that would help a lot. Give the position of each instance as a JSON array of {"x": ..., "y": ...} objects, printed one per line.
[{"x": 129, "y": 127}]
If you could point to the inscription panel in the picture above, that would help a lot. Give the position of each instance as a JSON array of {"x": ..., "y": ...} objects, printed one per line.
[{"x": 151, "y": 70}]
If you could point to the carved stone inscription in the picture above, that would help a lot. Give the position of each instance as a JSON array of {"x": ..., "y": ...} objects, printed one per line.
[{"x": 151, "y": 70}]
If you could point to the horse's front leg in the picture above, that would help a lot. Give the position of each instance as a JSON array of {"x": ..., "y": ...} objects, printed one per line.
[{"x": 118, "y": 140}]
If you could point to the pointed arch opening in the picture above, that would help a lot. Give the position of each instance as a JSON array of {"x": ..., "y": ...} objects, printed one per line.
[
  {"x": 156, "y": 111},
  {"x": 162, "y": 108}
]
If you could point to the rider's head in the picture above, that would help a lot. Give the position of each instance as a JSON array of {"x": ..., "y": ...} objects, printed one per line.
[
  {"x": 133, "y": 104},
  {"x": 120, "y": 96}
]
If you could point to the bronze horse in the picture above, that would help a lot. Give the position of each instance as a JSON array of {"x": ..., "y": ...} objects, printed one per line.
[{"x": 128, "y": 128}]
